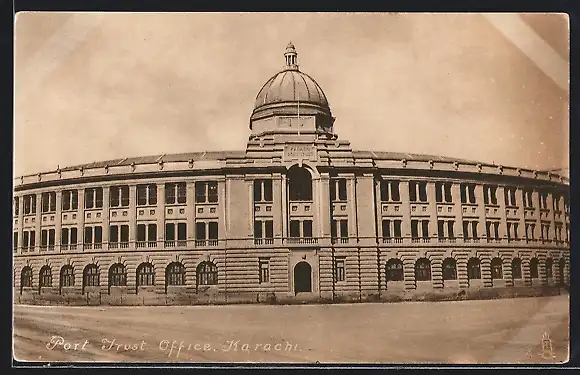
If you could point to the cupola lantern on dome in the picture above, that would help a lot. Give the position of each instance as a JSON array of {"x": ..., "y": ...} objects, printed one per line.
[{"x": 290, "y": 94}]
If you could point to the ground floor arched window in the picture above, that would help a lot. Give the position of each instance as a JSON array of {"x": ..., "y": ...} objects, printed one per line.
[
  {"x": 145, "y": 274},
  {"x": 67, "y": 276},
  {"x": 206, "y": 274},
  {"x": 394, "y": 270},
  {"x": 26, "y": 277},
  {"x": 549, "y": 268},
  {"x": 175, "y": 274},
  {"x": 45, "y": 277},
  {"x": 516, "y": 268},
  {"x": 91, "y": 276},
  {"x": 117, "y": 275},
  {"x": 423, "y": 270},
  {"x": 496, "y": 268},
  {"x": 449, "y": 269},
  {"x": 474, "y": 269}
]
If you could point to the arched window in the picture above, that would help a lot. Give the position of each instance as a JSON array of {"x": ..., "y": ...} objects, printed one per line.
[
  {"x": 422, "y": 270},
  {"x": 45, "y": 277},
  {"x": 175, "y": 274},
  {"x": 449, "y": 269},
  {"x": 117, "y": 275},
  {"x": 206, "y": 274},
  {"x": 474, "y": 269},
  {"x": 496, "y": 268},
  {"x": 91, "y": 275},
  {"x": 562, "y": 271},
  {"x": 299, "y": 184},
  {"x": 394, "y": 270},
  {"x": 26, "y": 277},
  {"x": 67, "y": 276},
  {"x": 549, "y": 265},
  {"x": 145, "y": 274},
  {"x": 516, "y": 268},
  {"x": 534, "y": 265}
]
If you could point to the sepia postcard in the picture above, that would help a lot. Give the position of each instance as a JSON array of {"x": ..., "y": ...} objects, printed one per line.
[{"x": 299, "y": 188}]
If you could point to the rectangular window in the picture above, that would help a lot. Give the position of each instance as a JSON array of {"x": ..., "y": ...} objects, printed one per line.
[
  {"x": 474, "y": 229},
  {"x": 386, "y": 228},
  {"x": 417, "y": 191},
  {"x": 88, "y": 235},
  {"x": 65, "y": 204},
  {"x": 15, "y": 241},
  {"x": 414, "y": 228},
  {"x": 141, "y": 233},
  {"x": 425, "y": 228},
  {"x": 443, "y": 192},
  {"x": 450, "y": 231},
  {"x": 466, "y": 229},
  {"x": 170, "y": 191},
  {"x": 339, "y": 267},
  {"x": 64, "y": 236},
  {"x": 73, "y": 236},
  {"x": 528, "y": 200},
  {"x": 489, "y": 194},
  {"x": 344, "y": 229},
  {"x": 412, "y": 191},
  {"x": 182, "y": 231},
  {"x": 25, "y": 240},
  {"x": 200, "y": 231},
  {"x": 175, "y": 193},
  {"x": 119, "y": 196},
  {"x": 141, "y": 195},
  {"x": 307, "y": 228},
  {"x": 51, "y": 238},
  {"x": 113, "y": 234},
  {"x": 98, "y": 235},
  {"x": 213, "y": 230},
  {"x": 397, "y": 228},
  {"x": 510, "y": 197},
  {"x": 169, "y": 232},
  {"x": 294, "y": 228},
  {"x": 269, "y": 228},
  {"x": 257, "y": 229},
  {"x": 544, "y": 200},
  {"x": 32, "y": 239},
  {"x": 125, "y": 234},
  {"x": 264, "y": 265},
  {"x": 496, "y": 230},
  {"x": 440, "y": 228},
  {"x": 152, "y": 232},
  {"x": 94, "y": 198},
  {"x": 29, "y": 204},
  {"x": 338, "y": 189},
  {"x": 48, "y": 201},
  {"x": 206, "y": 192},
  {"x": 16, "y": 206},
  {"x": 389, "y": 191}
]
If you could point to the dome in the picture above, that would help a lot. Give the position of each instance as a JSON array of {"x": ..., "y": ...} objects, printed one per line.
[{"x": 290, "y": 91}]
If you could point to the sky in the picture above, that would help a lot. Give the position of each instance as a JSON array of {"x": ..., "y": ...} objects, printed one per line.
[{"x": 99, "y": 86}]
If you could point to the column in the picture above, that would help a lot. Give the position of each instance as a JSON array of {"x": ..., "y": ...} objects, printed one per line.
[
  {"x": 353, "y": 225},
  {"x": 479, "y": 199},
  {"x": 38, "y": 221},
  {"x": 58, "y": 220},
  {"x": 324, "y": 205},
  {"x": 190, "y": 211},
  {"x": 132, "y": 216},
  {"x": 277, "y": 205},
  {"x": 406, "y": 212},
  {"x": 284, "y": 203},
  {"x": 432, "y": 200},
  {"x": 81, "y": 219},
  {"x": 456, "y": 196},
  {"x": 20, "y": 220},
  {"x": 105, "y": 216},
  {"x": 500, "y": 194},
  {"x": 160, "y": 215}
]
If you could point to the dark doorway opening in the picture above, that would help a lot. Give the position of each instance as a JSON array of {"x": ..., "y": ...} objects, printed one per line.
[{"x": 302, "y": 278}]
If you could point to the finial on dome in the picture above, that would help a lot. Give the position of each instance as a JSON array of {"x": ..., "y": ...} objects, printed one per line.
[{"x": 291, "y": 57}]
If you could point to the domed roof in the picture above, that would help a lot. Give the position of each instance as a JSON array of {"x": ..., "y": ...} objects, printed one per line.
[
  {"x": 290, "y": 90},
  {"x": 291, "y": 86}
]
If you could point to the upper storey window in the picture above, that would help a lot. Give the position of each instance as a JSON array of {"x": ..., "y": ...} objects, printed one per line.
[
  {"x": 175, "y": 193},
  {"x": 544, "y": 200},
  {"x": 206, "y": 192},
  {"x": 70, "y": 200},
  {"x": 467, "y": 193},
  {"x": 29, "y": 204},
  {"x": 48, "y": 201},
  {"x": 417, "y": 191},
  {"x": 527, "y": 197},
  {"x": 119, "y": 196},
  {"x": 556, "y": 202},
  {"x": 16, "y": 206},
  {"x": 338, "y": 189},
  {"x": 390, "y": 191},
  {"x": 146, "y": 195},
  {"x": 490, "y": 194},
  {"x": 299, "y": 184},
  {"x": 263, "y": 191},
  {"x": 94, "y": 198},
  {"x": 510, "y": 196},
  {"x": 443, "y": 192}
]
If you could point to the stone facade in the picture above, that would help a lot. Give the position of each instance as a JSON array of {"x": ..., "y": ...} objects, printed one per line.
[{"x": 297, "y": 215}]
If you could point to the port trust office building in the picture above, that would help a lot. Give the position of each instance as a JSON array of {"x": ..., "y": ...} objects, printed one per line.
[{"x": 298, "y": 214}]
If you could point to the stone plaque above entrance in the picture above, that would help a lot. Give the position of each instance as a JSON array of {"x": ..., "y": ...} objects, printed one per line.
[{"x": 299, "y": 152}]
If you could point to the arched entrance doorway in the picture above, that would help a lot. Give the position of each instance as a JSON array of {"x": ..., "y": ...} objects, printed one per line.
[
  {"x": 561, "y": 267},
  {"x": 302, "y": 278}
]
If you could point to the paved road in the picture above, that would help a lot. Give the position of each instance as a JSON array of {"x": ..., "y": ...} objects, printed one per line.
[{"x": 495, "y": 331}]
